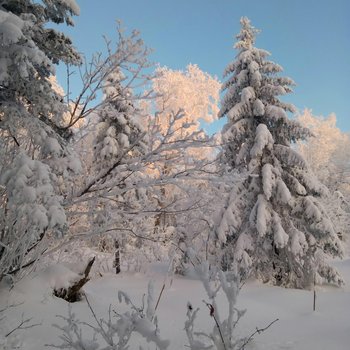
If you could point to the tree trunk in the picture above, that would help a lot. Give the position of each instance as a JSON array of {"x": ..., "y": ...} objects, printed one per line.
[
  {"x": 73, "y": 293},
  {"x": 117, "y": 256}
]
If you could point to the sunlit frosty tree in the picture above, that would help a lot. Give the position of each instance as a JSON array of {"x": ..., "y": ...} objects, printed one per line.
[
  {"x": 127, "y": 161},
  {"x": 273, "y": 224},
  {"x": 193, "y": 91},
  {"x": 196, "y": 94},
  {"x": 327, "y": 154}
]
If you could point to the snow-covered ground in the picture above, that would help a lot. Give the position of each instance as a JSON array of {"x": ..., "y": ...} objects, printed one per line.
[{"x": 298, "y": 326}]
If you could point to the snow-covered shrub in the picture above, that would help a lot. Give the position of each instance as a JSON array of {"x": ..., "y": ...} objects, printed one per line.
[
  {"x": 222, "y": 335},
  {"x": 118, "y": 330}
]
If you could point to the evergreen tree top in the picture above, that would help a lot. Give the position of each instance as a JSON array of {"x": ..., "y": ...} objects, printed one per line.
[
  {"x": 246, "y": 37},
  {"x": 252, "y": 89}
]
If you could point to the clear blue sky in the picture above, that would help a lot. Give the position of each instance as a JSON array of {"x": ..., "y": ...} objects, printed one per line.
[{"x": 309, "y": 38}]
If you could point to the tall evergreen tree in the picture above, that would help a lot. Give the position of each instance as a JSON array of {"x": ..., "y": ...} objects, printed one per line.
[
  {"x": 33, "y": 142},
  {"x": 273, "y": 222}
]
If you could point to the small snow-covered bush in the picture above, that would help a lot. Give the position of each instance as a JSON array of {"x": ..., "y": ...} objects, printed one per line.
[
  {"x": 116, "y": 331},
  {"x": 119, "y": 331},
  {"x": 222, "y": 335}
]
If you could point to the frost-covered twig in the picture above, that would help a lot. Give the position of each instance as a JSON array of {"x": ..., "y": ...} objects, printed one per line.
[
  {"x": 222, "y": 336},
  {"x": 116, "y": 332},
  {"x": 258, "y": 331},
  {"x": 163, "y": 286},
  {"x": 24, "y": 324},
  {"x": 130, "y": 56},
  {"x": 212, "y": 314},
  {"x": 8, "y": 338}
]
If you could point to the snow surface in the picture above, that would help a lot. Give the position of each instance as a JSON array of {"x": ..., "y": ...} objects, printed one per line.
[{"x": 298, "y": 326}]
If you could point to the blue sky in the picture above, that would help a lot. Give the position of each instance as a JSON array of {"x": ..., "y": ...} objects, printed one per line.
[{"x": 309, "y": 38}]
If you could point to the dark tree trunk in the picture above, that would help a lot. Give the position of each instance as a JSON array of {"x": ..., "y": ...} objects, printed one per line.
[
  {"x": 117, "y": 256},
  {"x": 73, "y": 293}
]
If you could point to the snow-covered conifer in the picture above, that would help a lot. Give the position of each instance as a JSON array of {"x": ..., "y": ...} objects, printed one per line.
[
  {"x": 120, "y": 131},
  {"x": 273, "y": 222},
  {"x": 31, "y": 133}
]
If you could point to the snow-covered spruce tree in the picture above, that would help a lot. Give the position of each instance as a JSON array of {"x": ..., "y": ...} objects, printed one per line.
[
  {"x": 120, "y": 130},
  {"x": 34, "y": 149},
  {"x": 273, "y": 223}
]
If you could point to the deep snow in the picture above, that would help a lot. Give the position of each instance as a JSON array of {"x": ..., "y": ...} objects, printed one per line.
[{"x": 298, "y": 326}]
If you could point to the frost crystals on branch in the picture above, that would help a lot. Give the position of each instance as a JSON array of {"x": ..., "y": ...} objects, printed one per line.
[
  {"x": 223, "y": 336},
  {"x": 118, "y": 331}
]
